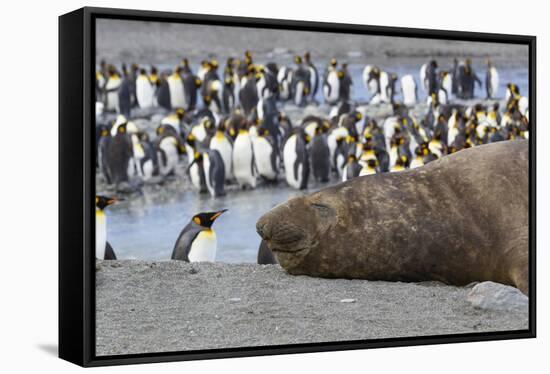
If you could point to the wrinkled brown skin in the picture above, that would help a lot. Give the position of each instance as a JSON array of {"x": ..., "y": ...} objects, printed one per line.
[{"x": 460, "y": 219}]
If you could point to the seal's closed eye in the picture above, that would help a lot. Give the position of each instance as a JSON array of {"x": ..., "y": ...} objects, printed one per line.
[{"x": 324, "y": 210}]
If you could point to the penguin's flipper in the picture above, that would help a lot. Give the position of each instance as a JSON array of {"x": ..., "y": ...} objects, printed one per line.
[
  {"x": 109, "y": 252},
  {"x": 185, "y": 241}
]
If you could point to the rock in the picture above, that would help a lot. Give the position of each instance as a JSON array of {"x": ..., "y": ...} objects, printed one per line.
[{"x": 496, "y": 296}]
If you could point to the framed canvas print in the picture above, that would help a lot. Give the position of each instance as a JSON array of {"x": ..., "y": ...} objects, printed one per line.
[{"x": 236, "y": 186}]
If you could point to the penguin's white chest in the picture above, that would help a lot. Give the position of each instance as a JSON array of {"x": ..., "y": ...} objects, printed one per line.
[
  {"x": 331, "y": 95},
  {"x": 206, "y": 166},
  {"x": 144, "y": 92},
  {"x": 100, "y": 234},
  {"x": 204, "y": 247},
  {"x": 243, "y": 161},
  {"x": 289, "y": 159},
  {"x": 222, "y": 145},
  {"x": 168, "y": 145},
  {"x": 177, "y": 97},
  {"x": 408, "y": 87}
]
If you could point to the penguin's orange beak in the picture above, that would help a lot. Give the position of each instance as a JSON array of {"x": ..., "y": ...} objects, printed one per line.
[
  {"x": 217, "y": 214},
  {"x": 113, "y": 200}
]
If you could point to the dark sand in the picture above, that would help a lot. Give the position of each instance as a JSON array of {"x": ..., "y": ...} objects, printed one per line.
[{"x": 173, "y": 306}]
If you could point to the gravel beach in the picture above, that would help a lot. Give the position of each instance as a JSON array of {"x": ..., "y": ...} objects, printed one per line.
[{"x": 167, "y": 306}]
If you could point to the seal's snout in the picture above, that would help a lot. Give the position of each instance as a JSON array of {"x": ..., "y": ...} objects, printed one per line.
[{"x": 278, "y": 231}]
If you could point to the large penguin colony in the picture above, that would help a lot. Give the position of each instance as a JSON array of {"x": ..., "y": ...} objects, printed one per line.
[{"x": 227, "y": 124}]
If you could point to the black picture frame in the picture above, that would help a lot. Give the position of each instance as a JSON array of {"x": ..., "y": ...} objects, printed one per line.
[{"x": 76, "y": 187}]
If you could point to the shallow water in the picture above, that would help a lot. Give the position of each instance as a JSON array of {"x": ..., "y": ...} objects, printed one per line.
[{"x": 146, "y": 226}]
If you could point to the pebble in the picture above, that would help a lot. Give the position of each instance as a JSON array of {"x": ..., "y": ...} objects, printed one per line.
[{"x": 348, "y": 300}]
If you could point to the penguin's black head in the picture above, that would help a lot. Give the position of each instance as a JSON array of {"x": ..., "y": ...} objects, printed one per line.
[
  {"x": 180, "y": 112},
  {"x": 121, "y": 129},
  {"x": 307, "y": 56},
  {"x": 207, "y": 219},
  {"x": 102, "y": 202},
  {"x": 372, "y": 162},
  {"x": 333, "y": 62},
  {"x": 297, "y": 60}
]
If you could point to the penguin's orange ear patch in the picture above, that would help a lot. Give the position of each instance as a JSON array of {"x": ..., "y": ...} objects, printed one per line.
[{"x": 197, "y": 220}]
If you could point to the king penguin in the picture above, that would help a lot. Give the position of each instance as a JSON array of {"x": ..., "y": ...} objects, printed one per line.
[
  {"x": 331, "y": 83},
  {"x": 197, "y": 241},
  {"x": 295, "y": 159},
  {"x": 266, "y": 155},
  {"x": 223, "y": 143},
  {"x": 244, "y": 168},
  {"x": 177, "y": 93},
  {"x": 145, "y": 91},
  {"x": 214, "y": 172},
  {"x": 320, "y": 154},
  {"x": 103, "y": 249},
  {"x": 408, "y": 89},
  {"x": 491, "y": 80}
]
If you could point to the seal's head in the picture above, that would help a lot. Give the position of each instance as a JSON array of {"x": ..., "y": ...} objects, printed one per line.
[{"x": 293, "y": 229}]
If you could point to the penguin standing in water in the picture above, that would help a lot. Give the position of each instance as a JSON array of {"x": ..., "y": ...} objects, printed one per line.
[
  {"x": 320, "y": 155},
  {"x": 197, "y": 241},
  {"x": 244, "y": 167},
  {"x": 266, "y": 155},
  {"x": 214, "y": 172},
  {"x": 491, "y": 80},
  {"x": 295, "y": 159},
  {"x": 103, "y": 250},
  {"x": 331, "y": 83},
  {"x": 313, "y": 77}
]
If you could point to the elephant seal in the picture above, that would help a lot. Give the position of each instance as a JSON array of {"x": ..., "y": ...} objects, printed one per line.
[{"x": 460, "y": 219}]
